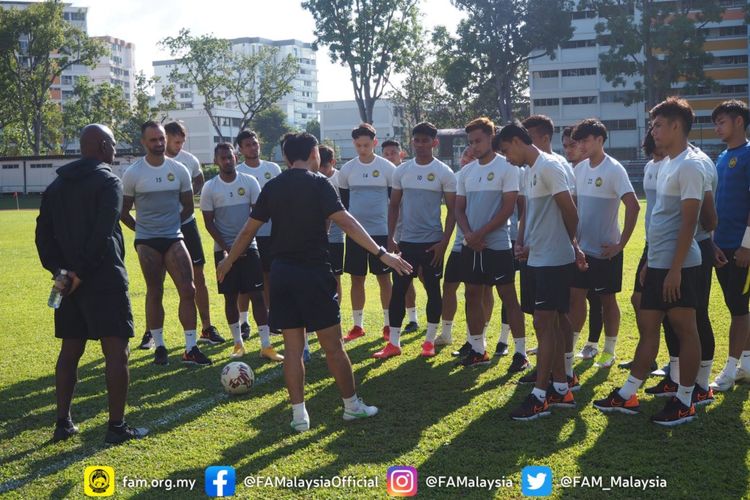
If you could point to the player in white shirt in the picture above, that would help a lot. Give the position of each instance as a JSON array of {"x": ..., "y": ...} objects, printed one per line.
[
  {"x": 546, "y": 239},
  {"x": 671, "y": 278},
  {"x": 365, "y": 184},
  {"x": 162, "y": 192},
  {"x": 263, "y": 171},
  {"x": 602, "y": 183},
  {"x": 226, "y": 202},
  {"x": 176, "y": 135},
  {"x": 393, "y": 153}
]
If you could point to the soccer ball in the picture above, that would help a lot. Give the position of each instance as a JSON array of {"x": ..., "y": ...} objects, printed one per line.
[{"x": 237, "y": 378}]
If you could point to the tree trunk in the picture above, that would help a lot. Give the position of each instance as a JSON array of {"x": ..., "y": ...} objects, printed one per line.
[
  {"x": 369, "y": 106},
  {"x": 217, "y": 128},
  {"x": 37, "y": 125},
  {"x": 361, "y": 107}
]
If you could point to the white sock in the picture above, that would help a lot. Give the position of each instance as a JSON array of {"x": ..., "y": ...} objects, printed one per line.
[
  {"x": 158, "y": 334},
  {"x": 265, "y": 336},
  {"x": 386, "y": 318},
  {"x": 520, "y": 345},
  {"x": 189, "y": 340},
  {"x": 236, "y": 332},
  {"x": 560, "y": 387},
  {"x": 631, "y": 387},
  {"x": 447, "y": 329},
  {"x": 609, "y": 344},
  {"x": 357, "y": 317},
  {"x": 569, "y": 364},
  {"x": 478, "y": 343},
  {"x": 484, "y": 330},
  {"x": 299, "y": 412},
  {"x": 395, "y": 337},
  {"x": 352, "y": 403},
  {"x": 704, "y": 372},
  {"x": 412, "y": 313},
  {"x": 674, "y": 369},
  {"x": 540, "y": 394},
  {"x": 575, "y": 339},
  {"x": 729, "y": 369},
  {"x": 745, "y": 361},
  {"x": 504, "y": 331},
  {"x": 589, "y": 344},
  {"x": 243, "y": 317},
  {"x": 307, "y": 344},
  {"x": 431, "y": 332},
  {"x": 685, "y": 394}
]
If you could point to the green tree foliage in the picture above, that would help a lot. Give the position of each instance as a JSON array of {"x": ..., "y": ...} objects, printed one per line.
[
  {"x": 105, "y": 104},
  {"x": 656, "y": 43},
  {"x": 142, "y": 111},
  {"x": 36, "y": 46},
  {"x": 372, "y": 38},
  {"x": 313, "y": 127},
  {"x": 271, "y": 125}
]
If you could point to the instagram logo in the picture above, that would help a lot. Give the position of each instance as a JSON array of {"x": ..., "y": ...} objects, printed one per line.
[{"x": 402, "y": 481}]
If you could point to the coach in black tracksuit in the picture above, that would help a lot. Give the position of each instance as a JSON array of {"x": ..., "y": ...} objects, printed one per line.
[{"x": 78, "y": 230}]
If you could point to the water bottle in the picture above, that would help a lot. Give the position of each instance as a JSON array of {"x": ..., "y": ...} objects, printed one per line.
[{"x": 55, "y": 296}]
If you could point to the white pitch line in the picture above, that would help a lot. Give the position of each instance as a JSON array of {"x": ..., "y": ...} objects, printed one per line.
[{"x": 14, "y": 484}]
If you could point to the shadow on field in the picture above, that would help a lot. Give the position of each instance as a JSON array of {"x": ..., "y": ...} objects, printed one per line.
[{"x": 634, "y": 446}]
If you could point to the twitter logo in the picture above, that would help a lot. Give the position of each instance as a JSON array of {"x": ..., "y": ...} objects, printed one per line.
[{"x": 536, "y": 481}]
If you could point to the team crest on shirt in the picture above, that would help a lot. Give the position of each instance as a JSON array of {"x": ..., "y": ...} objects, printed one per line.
[
  {"x": 598, "y": 182},
  {"x": 733, "y": 162},
  {"x": 490, "y": 176},
  {"x": 170, "y": 176},
  {"x": 267, "y": 175},
  {"x": 241, "y": 191},
  {"x": 430, "y": 177},
  {"x": 376, "y": 173}
]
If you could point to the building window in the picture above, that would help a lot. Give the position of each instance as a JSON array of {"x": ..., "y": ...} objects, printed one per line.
[
  {"x": 619, "y": 124},
  {"x": 704, "y": 120},
  {"x": 577, "y": 44},
  {"x": 579, "y": 72},
  {"x": 547, "y": 102},
  {"x": 10, "y": 167},
  {"x": 66, "y": 80},
  {"x": 738, "y": 60},
  {"x": 186, "y": 95},
  {"x": 77, "y": 16},
  {"x": 613, "y": 96},
  {"x": 553, "y": 73},
  {"x": 584, "y": 99},
  {"x": 725, "y": 31},
  {"x": 41, "y": 165},
  {"x": 583, "y": 14}
]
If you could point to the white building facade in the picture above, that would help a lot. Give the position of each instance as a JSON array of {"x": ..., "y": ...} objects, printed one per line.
[{"x": 117, "y": 67}]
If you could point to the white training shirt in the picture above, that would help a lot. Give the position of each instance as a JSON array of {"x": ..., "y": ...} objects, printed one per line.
[
  {"x": 335, "y": 234},
  {"x": 263, "y": 173},
  {"x": 194, "y": 167},
  {"x": 650, "y": 176},
  {"x": 231, "y": 203},
  {"x": 368, "y": 185},
  {"x": 711, "y": 183}
]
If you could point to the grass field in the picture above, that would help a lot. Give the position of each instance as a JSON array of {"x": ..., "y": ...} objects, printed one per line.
[{"x": 440, "y": 419}]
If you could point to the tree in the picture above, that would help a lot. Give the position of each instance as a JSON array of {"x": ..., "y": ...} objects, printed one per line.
[
  {"x": 270, "y": 124},
  {"x": 202, "y": 61},
  {"x": 257, "y": 81},
  {"x": 495, "y": 43},
  {"x": 36, "y": 46},
  {"x": 313, "y": 127},
  {"x": 663, "y": 47},
  {"x": 370, "y": 37},
  {"x": 142, "y": 111},
  {"x": 105, "y": 104}
]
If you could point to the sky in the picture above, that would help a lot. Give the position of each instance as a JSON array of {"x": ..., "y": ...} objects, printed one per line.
[{"x": 144, "y": 23}]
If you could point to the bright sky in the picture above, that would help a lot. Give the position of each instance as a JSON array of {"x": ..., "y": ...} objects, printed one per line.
[{"x": 144, "y": 23}]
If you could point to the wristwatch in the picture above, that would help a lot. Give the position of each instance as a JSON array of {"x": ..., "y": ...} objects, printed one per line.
[{"x": 381, "y": 252}]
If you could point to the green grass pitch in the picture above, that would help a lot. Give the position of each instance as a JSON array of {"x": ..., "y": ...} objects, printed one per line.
[{"x": 440, "y": 419}]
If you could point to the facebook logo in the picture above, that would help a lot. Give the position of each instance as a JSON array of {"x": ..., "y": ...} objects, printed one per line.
[{"x": 220, "y": 481}]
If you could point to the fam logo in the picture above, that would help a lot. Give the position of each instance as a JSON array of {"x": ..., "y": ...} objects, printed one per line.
[
  {"x": 490, "y": 176},
  {"x": 267, "y": 175},
  {"x": 599, "y": 182},
  {"x": 430, "y": 177},
  {"x": 170, "y": 176},
  {"x": 733, "y": 162},
  {"x": 241, "y": 191},
  {"x": 376, "y": 173},
  {"x": 99, "y": 481}
]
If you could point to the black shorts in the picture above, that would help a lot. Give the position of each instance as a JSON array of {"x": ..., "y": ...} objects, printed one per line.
[
  {"x": 91, "y": 317},
  {"x": 604, "y": 276},
  {"x": 264, "y": 249},
  {"x": 357, "y": 258},
  {"x": 652, "y": 297},
  {"x": 416, "y": 255},
  {"x": 161, "y": 245},
  {"x": 303, "y": 296},
  {"x": 336, "y": 258},
  {"x": 550, "y": 288},
  {"x": 193, "y": 243},
  {"x": 637, "y": 287},
  {"x": 453, "y": 267},
  {"x": 732, "y": 280},
  {"x": 245, "y": 276},
  {"x": 488, "y": 267},
  {"x": 526, "y": 282}
]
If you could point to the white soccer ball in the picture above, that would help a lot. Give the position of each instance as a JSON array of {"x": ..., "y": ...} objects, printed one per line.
[{"x": 237, "y": 378}]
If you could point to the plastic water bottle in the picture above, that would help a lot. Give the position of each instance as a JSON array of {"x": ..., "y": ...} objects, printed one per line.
[{"x": 55, "y": 296}]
